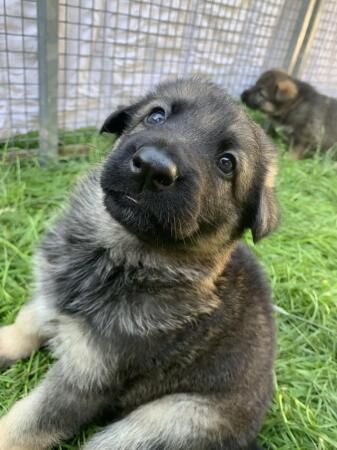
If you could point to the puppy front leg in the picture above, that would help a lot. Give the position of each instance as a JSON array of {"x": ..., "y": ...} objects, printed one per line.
[
  {"x": 51, "y": 412},
  {"x": 179, "y": 422},
  {"x": 299, "y": 151}
]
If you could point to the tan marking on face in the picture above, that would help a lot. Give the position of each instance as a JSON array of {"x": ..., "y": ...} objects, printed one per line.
[
  {"x": 247, "y": 140},
  {"x": 267, "y": 107}
]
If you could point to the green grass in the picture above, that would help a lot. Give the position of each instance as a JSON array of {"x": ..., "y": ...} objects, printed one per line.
[
  {"x": 300, "y": 259},
  {"x": 30, "y": 140}
]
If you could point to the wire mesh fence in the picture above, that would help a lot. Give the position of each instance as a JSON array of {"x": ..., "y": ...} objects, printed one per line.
[
  {"x": 19, "y": 100},
  {"x": 320, "y": 67},
  {"x": 111, "y": 51}
]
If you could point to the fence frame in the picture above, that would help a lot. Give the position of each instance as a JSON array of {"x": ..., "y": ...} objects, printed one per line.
[
  {"x": 306, "y": 37},
  {"x": 47, "y": 22}
]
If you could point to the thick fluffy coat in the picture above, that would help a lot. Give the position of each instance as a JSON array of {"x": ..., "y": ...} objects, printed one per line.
[{"x": 155, "y": 312}]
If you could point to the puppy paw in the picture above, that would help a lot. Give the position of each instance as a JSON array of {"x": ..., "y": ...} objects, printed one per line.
[
  {"x": 14, "y": 345},
  {"x": 7, "y": 442}
]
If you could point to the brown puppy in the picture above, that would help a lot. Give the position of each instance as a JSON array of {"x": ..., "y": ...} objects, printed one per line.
[
  {"x": 307, "y": 117},
  {"x": 154, "y": 310}
]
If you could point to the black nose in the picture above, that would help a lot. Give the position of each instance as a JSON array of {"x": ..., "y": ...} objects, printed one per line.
[
  {"x": 244, "y": 95},
  {"x": 153, "y": 168}
]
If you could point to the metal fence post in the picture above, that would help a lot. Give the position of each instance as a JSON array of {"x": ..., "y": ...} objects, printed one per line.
[
  {"x": 299, "y": 59},
  {"x": 301, "y": 33},
  {"x": 47, "y": 14}
]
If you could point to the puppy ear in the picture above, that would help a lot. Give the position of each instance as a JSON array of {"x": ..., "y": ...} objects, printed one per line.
[
  {"x": 286, "y": 90},
  {"x": 266, "y": 216},
  {"x": 119, "y": 120}
]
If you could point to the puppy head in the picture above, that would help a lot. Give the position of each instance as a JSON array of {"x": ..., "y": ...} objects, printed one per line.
[
  {"x": 189, "y": 165},
  {"x": 273, "y": 91}
]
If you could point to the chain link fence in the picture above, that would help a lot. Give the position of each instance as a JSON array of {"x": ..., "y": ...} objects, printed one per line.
[{"x": 66, "y": 64}]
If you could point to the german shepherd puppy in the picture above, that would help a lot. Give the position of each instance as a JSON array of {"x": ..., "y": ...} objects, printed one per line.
[
  {"x": 306, "y": 116},
  {"x": 153, "y": 309}
]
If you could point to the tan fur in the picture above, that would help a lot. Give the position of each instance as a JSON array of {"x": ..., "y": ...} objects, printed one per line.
[
  {"x": 271, "y": 176},
  {"x": 287, "y": 89},
  {"x": 78, "y": 354},
  {"x": 20, "y": 339},
  {"x": 170, "y": 417},
  {"x": 12, "y": 426},
  {"x": 268, "y": 107}
]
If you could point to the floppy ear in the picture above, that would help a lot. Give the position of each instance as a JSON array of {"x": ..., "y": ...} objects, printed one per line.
[
  {"x": 266, "y": 216},
  {"x": 119, "y": 120},
  {"x": 286, "y": 90}
]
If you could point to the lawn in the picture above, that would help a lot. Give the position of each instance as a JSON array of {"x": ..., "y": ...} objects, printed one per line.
[{"x": 300, "y": 258}]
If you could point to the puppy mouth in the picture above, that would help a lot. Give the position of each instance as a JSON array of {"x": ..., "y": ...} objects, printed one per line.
[
  {"x": 138, "y": 214},
  {"x": 252, "y": 102},
  {"x": 131, "y": 211}
]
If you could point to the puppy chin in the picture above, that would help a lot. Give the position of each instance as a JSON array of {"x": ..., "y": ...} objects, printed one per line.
[
  {"x": 144, "y": 224},
  {"x": 267, "y": 107}
]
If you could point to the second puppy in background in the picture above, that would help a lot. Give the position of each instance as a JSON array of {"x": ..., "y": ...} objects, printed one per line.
[{"x": 307, "y": 117}]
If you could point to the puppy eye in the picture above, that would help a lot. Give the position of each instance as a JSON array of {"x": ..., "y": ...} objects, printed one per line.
[
  {"x": 262, "y": 92},
  {"x": 227, "y": 163},
  {"x": 156, "y": 117}
]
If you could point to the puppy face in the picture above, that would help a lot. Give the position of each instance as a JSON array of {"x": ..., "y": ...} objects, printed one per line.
[
  {"x": 188, "y": 164},
  {"x": 273, "y": 91}
]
